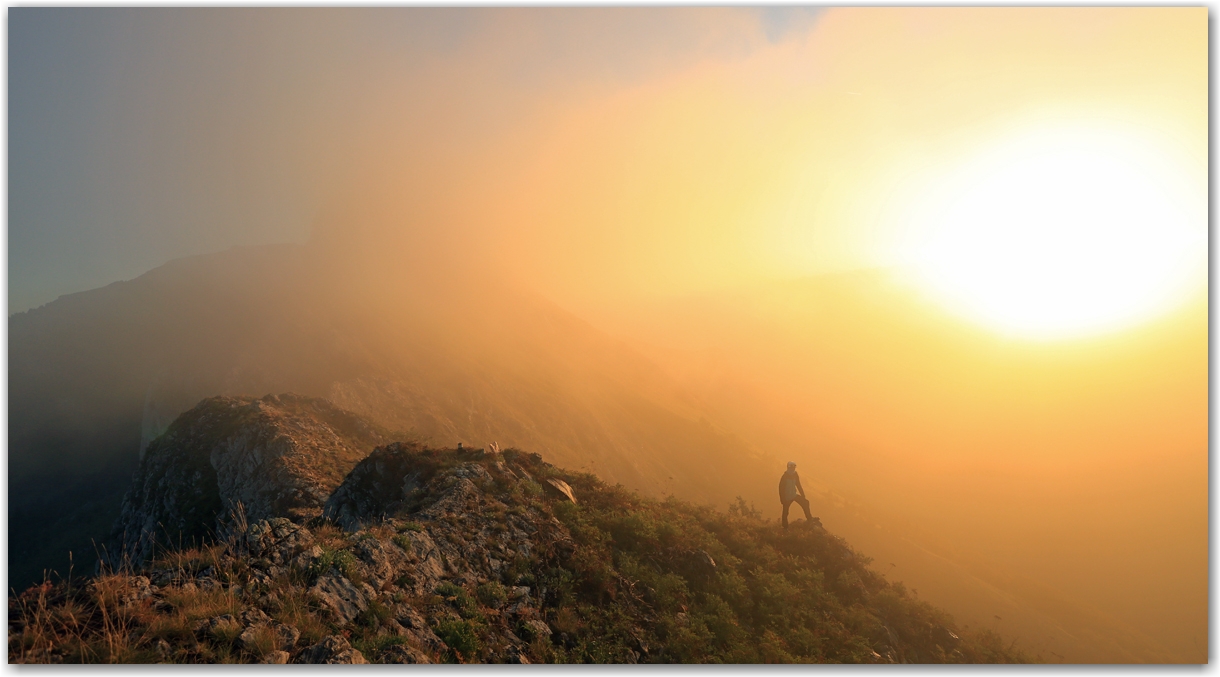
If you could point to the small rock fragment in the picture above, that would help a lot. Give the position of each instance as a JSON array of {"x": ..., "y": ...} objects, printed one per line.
[
  {"x": 287, "y": 636},
  {"x": 402, "y": 653},
  {"x": 254, "y": 616},
  {"x": 332, "y": 650},
  {"x": 535, "y": 629}
]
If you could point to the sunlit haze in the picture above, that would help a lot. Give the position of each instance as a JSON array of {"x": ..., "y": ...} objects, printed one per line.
[
  {"x": 1062, "y": 231},
  {"x": 951, "y": 261}
]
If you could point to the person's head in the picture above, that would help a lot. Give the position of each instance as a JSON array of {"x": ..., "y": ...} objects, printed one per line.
[{"x": 791, "y": 465}]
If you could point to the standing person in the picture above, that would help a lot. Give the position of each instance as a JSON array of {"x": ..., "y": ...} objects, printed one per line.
[{"x": 790, "y": 490}]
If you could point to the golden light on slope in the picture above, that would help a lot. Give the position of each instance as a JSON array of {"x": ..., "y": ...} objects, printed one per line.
[{"x": 1061, "y": 232}]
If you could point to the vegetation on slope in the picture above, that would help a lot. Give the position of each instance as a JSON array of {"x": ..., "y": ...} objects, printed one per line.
[{"x": 485, "y": 561}]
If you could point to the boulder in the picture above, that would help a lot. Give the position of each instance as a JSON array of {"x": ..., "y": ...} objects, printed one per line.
[
  {"x": 558, "y": 486},
  {"x": 332, "y": 650},
  {"x": 343, "y": 598},
  {"x": 234, "y": 460},
  {"x": 378, "y": 486}
]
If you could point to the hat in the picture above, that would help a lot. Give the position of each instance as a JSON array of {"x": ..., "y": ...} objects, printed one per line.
[{"x": 791, "y": 465}]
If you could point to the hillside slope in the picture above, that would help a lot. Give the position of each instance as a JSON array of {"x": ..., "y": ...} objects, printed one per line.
[
  {"x": 446, "y": 355},
  {"x": 1059, "y": 486},
  {"x": 429, "y": 555}
]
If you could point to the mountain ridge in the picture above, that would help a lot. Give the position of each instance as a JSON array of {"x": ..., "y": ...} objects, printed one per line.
[
  {"x": 424, "y": 555},
  {"x": 443, "y": 355}
]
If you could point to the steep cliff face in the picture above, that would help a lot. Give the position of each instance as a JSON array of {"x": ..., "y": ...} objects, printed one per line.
[{"x": 278, "y": 456}]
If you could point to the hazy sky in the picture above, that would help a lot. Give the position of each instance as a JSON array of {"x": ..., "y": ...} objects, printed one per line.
[
  {"x": 603, "y": 154},
  {"x": 137, "y": 136},
  {"x": 625, "y": 159}
]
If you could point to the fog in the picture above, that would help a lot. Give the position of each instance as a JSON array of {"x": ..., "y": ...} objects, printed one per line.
[{"x": 646, "y": 242}]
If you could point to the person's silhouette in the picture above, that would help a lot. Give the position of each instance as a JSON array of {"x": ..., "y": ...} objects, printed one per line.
[{"x": 790, "y": 490}]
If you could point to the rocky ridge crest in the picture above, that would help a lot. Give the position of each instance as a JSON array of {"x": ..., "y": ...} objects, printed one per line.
[
  {"x": 276, "y": 456},
  {"x": 423, "y": 555}
]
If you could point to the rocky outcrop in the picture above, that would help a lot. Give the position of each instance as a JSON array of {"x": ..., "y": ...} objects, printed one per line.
[
  {"x": 276, "y": 456},
  {"x": 425, "y": 555},
  {"x": 382, "y": 484},
  {"x": 462, "y": 556},
  {"x": 332, "y": 650}
]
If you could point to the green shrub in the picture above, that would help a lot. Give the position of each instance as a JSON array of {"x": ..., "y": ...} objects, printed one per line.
[
  {"x": 375, "y": 615},
  {"x": 460, "y": 636},
  {"x": 342, "y": 560},
  {"x": 492, "y": 594}
]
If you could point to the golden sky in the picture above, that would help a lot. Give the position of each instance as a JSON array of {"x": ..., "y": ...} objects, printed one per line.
[
  {"x": 808, "y": 155},
  {"x": 1031, "y": 183}
]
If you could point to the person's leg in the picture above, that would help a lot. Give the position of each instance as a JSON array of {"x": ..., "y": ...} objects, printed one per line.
[
  {"x": 804, "y": 503},
  {"x": 784, "y": 519}
]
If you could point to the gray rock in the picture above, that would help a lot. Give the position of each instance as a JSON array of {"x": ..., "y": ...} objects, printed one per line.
[
  {"x": 274, "y": 540},
  {"x": 254, "y": 616},
  {"x": 409, "y": 617},
  {"x": 287, "y": 636},
  {"x": 472, "y": 471},
  {"x": 340, "y": 596},
  {"x": 278, "y": 456},
  {"x": 331, "y": 650},
  {"x": 306, "y": 557},
  {"x": 248, "y": 639},
  {"x": 225, "y": 623},
  {"x": 374, "y": 488},
  {"x": 276, "y": 657},
  {"x": 535, "y": 629},
  {"x": 378, "y": 559},
  {"x": 403, "y": 653},
  {"x": 520, "y": 472}
]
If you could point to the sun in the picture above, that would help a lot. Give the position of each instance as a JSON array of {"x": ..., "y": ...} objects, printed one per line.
[{"x": 1061, "y": 232}]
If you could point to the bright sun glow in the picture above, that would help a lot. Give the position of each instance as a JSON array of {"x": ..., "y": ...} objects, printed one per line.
[{"x": 1061, "y": 233}]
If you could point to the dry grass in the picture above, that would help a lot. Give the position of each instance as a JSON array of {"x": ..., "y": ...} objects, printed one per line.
[
  {"x": 190, "y": 561},
  {"x": 196, "y": 603},
  {"x": 298, "y": 610},
  {"x": 96, "y": 624},
  {"x": 175, "y": 627},
  {"x": 265, "y": 640},
  {"x": 107, "y": 622}
]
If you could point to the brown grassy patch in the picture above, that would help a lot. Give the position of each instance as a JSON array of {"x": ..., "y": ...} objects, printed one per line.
[
  {"x": 296, "y": 609},
  {"x": 196, "y": 603},
  {"x": 265, "y": 641}
]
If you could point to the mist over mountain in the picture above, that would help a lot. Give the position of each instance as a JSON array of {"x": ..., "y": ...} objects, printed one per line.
[
  {"x": 672, "y": 247},
  {"x": 444, "y": 355},
  {"x": 1071, "y": 476},
  {"x": 436, "y": 351}
]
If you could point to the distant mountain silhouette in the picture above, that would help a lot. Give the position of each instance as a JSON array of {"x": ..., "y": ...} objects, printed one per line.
[{"x": 443, "y": 356}]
